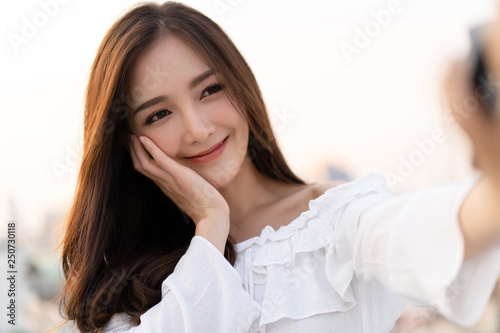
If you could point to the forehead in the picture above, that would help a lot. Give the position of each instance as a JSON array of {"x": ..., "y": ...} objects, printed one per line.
[{"x": 168, "y": 59}]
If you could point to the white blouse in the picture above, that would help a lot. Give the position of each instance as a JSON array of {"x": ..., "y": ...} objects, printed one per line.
[{"x": 348, "y": 264}]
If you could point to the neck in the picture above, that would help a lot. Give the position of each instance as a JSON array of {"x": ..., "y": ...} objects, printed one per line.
[{"x": 248, "y": 191}]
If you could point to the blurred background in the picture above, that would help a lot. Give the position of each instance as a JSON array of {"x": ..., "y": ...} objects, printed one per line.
[{"x": 352, "y": 87}]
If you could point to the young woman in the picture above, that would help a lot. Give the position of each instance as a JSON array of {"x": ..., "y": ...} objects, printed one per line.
[{"x": 188, "y": 219}]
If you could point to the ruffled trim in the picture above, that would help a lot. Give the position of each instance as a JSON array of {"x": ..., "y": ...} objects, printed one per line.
[
  {"x": 322, "y": 238},
  {"x": 371, "y": 182}
]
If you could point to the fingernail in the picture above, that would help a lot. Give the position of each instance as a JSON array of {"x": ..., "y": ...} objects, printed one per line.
[{"x": 143, "y": 139}]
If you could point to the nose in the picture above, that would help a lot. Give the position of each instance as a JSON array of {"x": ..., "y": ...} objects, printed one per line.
[{"x": 197, "y": 126}]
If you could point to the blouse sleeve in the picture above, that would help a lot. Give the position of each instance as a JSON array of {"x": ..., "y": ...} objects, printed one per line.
[
  {"x": 203, "y": 294},
  {"x": 413, "y": 244}
]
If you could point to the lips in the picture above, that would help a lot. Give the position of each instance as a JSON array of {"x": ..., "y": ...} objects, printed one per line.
[{"x": 209, "y": 150}]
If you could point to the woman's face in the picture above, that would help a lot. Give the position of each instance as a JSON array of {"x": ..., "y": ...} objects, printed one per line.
[{"x": 177, "y": 102}]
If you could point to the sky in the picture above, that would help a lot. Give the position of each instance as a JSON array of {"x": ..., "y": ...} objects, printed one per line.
[{"x": 352, "y": 83}]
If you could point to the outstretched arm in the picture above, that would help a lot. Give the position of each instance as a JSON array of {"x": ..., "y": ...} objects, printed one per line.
[
  {"x": 479, "y": 217},
  {"x": 413, "y": 244}
]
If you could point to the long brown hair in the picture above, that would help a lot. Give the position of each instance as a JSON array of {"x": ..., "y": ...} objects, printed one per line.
[{"x": 124, "y": 237}]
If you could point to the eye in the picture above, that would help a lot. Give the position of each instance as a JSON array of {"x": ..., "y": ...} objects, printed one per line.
[
  {"x": 211, "y": 90},
  {"x": 159, "y": 114}
]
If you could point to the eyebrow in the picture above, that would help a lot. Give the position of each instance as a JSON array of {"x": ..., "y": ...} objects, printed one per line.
[{"x": 194, "y": 82}]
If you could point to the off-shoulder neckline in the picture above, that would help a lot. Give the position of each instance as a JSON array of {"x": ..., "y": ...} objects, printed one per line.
[
  {"x": 295, "y": 223},
  {"x": 270, "y": 230}
]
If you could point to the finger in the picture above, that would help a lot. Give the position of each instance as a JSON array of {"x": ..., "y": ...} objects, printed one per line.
[
  {"x": 467, "y": 110},
  {"x": 155, "y": 162},
  {"x": 143, "y": 163},
  {"x": 162, "y": 159},
  {"x": 165, "y": 172},
  {"x": 464, "y": 104},
  {"x": 484, "y": 137},
  {"x": 140, "y": 150}
]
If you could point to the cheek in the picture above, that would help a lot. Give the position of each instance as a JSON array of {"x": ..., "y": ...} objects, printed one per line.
[
  {"x": 227, "y": 114},
  {"x": 241, "y": 136},
  {"x": 167, "y": 141},
  {"x": 233, "y": 119}
]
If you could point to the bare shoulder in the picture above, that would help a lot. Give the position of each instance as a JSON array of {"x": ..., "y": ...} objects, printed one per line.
[{"x": 320, "y": 188}]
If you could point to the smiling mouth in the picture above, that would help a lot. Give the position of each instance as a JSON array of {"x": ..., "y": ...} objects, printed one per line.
[{"x": 211, "y": 151}]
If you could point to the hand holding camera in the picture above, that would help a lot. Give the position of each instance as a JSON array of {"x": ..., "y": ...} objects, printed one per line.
[{"x": 473, "y": 84}]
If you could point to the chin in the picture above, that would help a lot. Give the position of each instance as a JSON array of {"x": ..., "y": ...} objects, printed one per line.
[{"x": 220, "y": 179}]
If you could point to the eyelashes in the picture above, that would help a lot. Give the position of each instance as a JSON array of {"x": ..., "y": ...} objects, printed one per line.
[
  {"x": 212, "y": 89},
  {"x": 160, "y": 112}
]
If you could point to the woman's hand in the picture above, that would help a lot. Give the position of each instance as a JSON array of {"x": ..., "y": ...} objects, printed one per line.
[
  {"x": 465, "y": 104},
  {"x": 479, "y": 214},
  {"x": 186, "y": 188}
]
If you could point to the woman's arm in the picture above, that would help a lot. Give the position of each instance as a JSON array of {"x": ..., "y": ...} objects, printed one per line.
[
  {"x": 479, "y": 218},
  {"x": 413, "y": 244},
  {"x": 203, "y": 294},
  {"x": 480, "y": 213}
]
